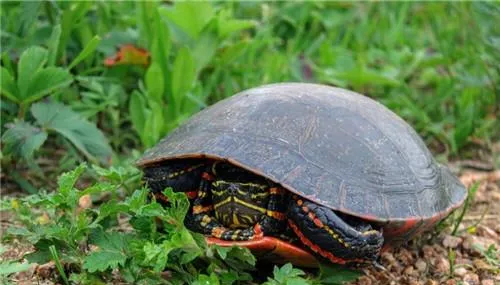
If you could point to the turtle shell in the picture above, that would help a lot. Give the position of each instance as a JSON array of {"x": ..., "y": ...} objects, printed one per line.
[{"x": 335, "y": 147}]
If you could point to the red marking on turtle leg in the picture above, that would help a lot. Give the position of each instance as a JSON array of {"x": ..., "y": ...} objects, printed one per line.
[
  {"x": 192, "y": 194},
  {"x": 314, "y": 247},
  {"x": 257, "y": 229}
]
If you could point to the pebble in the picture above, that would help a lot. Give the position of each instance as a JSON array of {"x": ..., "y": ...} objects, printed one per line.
[
  {"x": 487, "y": 282},
  {"x": 405, "y": 256},
  {"x": 450, "y": 282},
  {"x": 409, "y": 270},
  {"x": 431, "y": 282},
  {"x": 364, "y": 280},
  {"x": 460, "y": 272},
  {"x": 442, "y": 265},
  {"x": 450, "y": 241},
  {"x": 388, "y": 257},
  {"x": 471, "y": 279},
  {"x": 421, "y": 265},
  {"x": 428, "y": 251}
]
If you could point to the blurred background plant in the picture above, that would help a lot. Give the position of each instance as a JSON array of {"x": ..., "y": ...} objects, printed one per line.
[
  {"x": 77, "y": 77},
  {"x": 101, "y": 82}
]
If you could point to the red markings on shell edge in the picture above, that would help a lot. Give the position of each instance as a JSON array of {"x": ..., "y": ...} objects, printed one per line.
[{"x": 406, "y": 226}]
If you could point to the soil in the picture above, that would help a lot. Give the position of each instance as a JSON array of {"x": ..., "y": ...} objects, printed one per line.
[{"x": 423, "y": 261}]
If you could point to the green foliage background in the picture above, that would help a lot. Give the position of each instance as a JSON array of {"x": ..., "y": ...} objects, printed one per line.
[{"x": 435, "y": 64}]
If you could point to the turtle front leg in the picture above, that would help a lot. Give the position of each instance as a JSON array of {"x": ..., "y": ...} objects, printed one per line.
[{"x": 326, "y": 234}]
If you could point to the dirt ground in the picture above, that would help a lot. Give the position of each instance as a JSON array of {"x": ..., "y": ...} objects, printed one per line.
[{"x": 424, "y": 261}]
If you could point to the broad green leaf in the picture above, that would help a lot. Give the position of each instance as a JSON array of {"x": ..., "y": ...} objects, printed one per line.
[
  {"x": 23, "y": 139},
  {"x": 207, "y": 280},
  {"x": 138, "y": 113},
  {"x": 183, "y": 77},
  {"x": 8, "y": 88},
  {"x": 154, "y": 125},
  {"x": 111, "y": 251},
  {"x": 70, "y": 17},
  {"x": 144, "y": 23},
  {"x": 29, "y": 15},
  {"x": 31, "y": 61},
  {"x": 205, "y": 47},
  {"x": 87, "y": 50},
  {"x": 231, "y": 53},
  {"x": 228, "y": 26},
  {"x": 7, "y": 267},
  {"x": 336, "y": 274},
  {"x": 67, "y": 180},
  {"x": 45, "y": 81},
  {"x": 155, "y": 82},
  {"x": 191, "y": 17},
  {"x": 161, "y": 46},
  {"x": 84, "y": 135},
  {"x": 53, "y": 44}
]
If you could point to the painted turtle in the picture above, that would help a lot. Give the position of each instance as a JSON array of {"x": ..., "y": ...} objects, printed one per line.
[{"x": 334, "y": 170}]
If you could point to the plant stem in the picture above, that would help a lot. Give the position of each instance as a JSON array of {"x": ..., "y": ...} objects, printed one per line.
[{"x": 59, "y": 266}]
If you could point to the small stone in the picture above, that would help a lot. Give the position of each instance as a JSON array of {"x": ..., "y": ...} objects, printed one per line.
[
  {"x": 409, "y": 270},
  {"x": 460, "y": 272},
  {"x": 442, "y": 265},
  {"x": 405, "y": 256},
  {"x": 421, "y": 265},
  {"x": 450, "y": 282},
  {"x": 487, "y": 282},
  {"x": 364, "y": 280},
  {"x": 471, "y": 279},
  {"x": 388, "y": 257},
  {"x": 481, "y": 265},
  {"x": 414, "y": 282},
  {"x": 431, "y": 282},
  {"x": 450, "y": 241},
  {"x": 428, "y": 251}
]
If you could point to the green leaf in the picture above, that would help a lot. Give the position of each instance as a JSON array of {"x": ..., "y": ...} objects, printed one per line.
[
  {"x": 207, "y": 280},
  {"x": 161, "y": 46},
  {"x": 7, "y": 267},
  {"x": 46, "y": 81},
  {"x": 138, "y": 113},
  {"x": 83, "y": 134},
  {"x": 287, "y": 275},
  {"x": 336, "y": 274},
  {"x": 191, "y": 17},
  {"x": 31, "y": 61},
  {"x": 227, "y": 25},
  {"x": 22, "y": 139},
  {"x": 183, "y": 77},
  {"x": 111, "y": 251},
  {"x": 8, "y": 87},
  {"x": 155, "y": 82},
  {"x": 154, "y": 125},
  {"x": 205, "y": 47},
  {"x": 53, "y": 44},
  {"x": 87, "y": 50},
  {"x": 67, "y": 180},
  {"x": 28, "y": 16}
]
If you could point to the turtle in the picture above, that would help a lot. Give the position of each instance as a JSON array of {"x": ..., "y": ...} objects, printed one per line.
[{"x": 306, "y": 168}]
